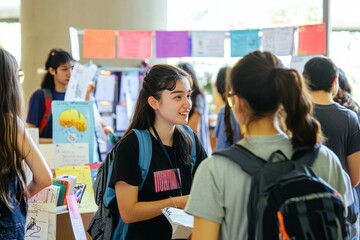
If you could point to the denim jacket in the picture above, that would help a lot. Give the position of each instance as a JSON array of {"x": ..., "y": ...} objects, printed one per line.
[{"x": 12, "y": 221}]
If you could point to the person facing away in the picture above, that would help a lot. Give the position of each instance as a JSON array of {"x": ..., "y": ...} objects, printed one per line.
[
  {"x": 16, "y": 147},
  {"x": 58, "y": 67},
  {"x": 163, "y": 105},
  {"x": 339, "y": 125},
  {"x": 344, "y": 98},
  {"x": 199, "y": 113},
  {"x": 227, "y": 130},
  {"x": 260, "y": 88}
]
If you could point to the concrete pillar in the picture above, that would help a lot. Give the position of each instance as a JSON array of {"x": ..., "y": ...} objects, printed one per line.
[{"x": 45, "y": 25}]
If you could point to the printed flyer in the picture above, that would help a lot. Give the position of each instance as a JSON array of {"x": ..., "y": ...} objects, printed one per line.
[{"x": 73, "y": 122}]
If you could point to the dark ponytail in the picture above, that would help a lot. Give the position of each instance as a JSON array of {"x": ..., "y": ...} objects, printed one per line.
[
  {"x": 295, "y": 99},
  {"x": 260, "y": 78},
  {"x": 56, "y": 57}
]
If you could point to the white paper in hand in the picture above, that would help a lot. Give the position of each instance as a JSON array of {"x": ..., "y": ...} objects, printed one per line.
[{"x": 181, "y": 222}]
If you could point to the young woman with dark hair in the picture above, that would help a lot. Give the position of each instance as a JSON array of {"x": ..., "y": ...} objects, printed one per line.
[
  {"x": 163, "y": 105},
  {"x": 53, "y": 87},
  {"x": 227, "y": 130},
  {"x": 16, "y": 146},
  {"x": 261, "y": 88}
]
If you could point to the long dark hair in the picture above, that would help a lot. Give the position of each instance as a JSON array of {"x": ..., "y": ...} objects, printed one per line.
[
  {"x": 159, "y": 78},
  {"x": 196, "y": 89},
  {"x": 10, "y": 106},
  {"x": 223, "y": 87},
  {"x": 261, "y": 80},
  {"x": 56, "y": 57}
]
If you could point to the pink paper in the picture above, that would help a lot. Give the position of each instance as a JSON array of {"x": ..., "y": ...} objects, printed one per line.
[
  {"x": 75, "y": 217},
  {"x": 134, "y": 44}
]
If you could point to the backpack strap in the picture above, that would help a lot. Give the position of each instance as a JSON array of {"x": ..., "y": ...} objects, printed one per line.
[
  {"x": 107, "y": 165},
  {"x": 145, "y": 152},
  {"x": 47, "y": 103},
  {"x": 193, "y": 148},
  {"x": 248, "y": 161},
  {"x": 306, "y": 155}
]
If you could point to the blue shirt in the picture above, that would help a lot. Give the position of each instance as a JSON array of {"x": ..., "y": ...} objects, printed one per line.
[
  {"x": 220, "y": 134},
  {"x": 37, "y": 109}
]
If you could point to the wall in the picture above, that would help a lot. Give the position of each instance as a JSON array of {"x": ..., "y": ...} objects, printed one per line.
[{"x": 45, "y": 25}]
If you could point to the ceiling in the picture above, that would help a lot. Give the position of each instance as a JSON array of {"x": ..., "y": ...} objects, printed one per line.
[{"x": 344, "y": 13}]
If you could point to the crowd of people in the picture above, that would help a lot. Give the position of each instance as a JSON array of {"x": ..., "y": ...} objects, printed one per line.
[{"x": 267, "y": 108}]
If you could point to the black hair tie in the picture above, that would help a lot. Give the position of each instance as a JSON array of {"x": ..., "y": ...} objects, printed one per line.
[{"x": 273, "y": 73}]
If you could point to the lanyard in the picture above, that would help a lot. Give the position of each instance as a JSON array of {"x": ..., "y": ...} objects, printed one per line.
[{"x": 168, "y": 157}]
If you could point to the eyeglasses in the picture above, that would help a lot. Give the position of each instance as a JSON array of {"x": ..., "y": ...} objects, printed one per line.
[
  {"x": 20, "y": 76},
  {"x": 230, "y": 98}
]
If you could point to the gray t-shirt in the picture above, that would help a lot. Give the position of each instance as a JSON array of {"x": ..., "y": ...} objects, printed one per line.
[{"x": 221, "y": 188}]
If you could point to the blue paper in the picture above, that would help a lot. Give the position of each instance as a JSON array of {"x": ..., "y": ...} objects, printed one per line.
[
  {"x": 73, "y": 122},
  {"x": 244, "y": 42}
]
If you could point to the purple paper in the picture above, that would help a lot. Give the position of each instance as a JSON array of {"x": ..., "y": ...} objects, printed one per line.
[{"x": 172, "y": 44}]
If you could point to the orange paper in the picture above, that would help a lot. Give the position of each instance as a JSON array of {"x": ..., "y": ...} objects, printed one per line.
[
  {"x": 134, "y": 44},
  {"x": 312, "y": 39},
  {"x": 99, "y": 43}
]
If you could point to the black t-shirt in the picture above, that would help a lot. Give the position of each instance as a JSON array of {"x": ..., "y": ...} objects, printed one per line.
[{"x": 160, "y": 183}]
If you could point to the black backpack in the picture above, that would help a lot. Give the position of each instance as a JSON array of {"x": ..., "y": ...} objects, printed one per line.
[
  {"x": 105, "y": 220},
  {"x": 287, "y": 200}
]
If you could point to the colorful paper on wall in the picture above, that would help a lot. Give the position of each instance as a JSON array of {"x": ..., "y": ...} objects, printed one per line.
[
  {"x": 134, "y": 44},
  {"x": 244, "y": 41},
  {"x": 207, "y": 43},
  {"x": 312, "y": 39},
  {"x": 298, "y": 62},
  {"x": 73, "y": 122},
  {"x": 279, "y": 41},
  {"x": 83, "y": 175},
  {"x": 99, "y": 43},
  {"x": 172, "y": 44}
]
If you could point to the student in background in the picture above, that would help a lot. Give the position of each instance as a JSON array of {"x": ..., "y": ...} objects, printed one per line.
[
  {"x": 260, "y": 87},
  {"x": 16, "y": 146},
  {"x": 58, "y": 67},
  {"x": 339, "y": 125},
  {"x": 227, "y": 130},
  {"x": 343, "y": 96},
  {"x": 199, "y": 113},
  {"x": 163, "y": 105}
]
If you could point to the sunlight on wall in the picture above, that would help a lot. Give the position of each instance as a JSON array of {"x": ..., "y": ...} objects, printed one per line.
[
  {"x": 10, "y": 39},
  {"x": 344, "y": 50}
]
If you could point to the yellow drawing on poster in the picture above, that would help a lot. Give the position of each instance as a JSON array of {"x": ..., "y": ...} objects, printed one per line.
[{"x": 72, "y": 118}]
